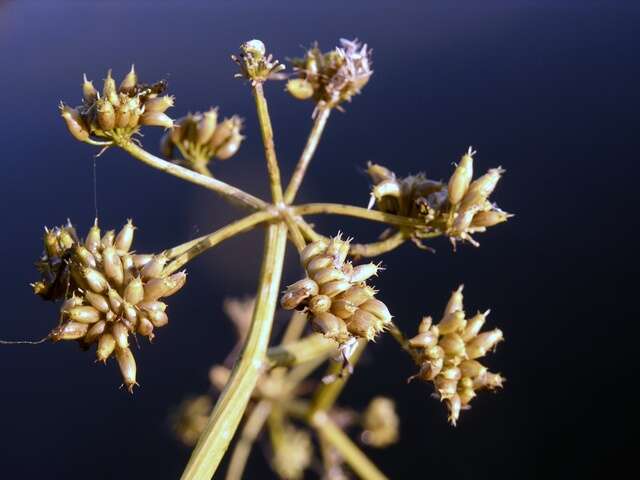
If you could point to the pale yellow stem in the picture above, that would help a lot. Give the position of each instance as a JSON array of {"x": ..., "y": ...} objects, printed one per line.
[
  {"x": 358, "y": 212},
  {"x": 227, "y": 413},
  {"x": 233, "y": 194},
  {"x": 301, "y": 351},
  {"x": 378, "y": 248},
  {"x": 267, "y": 139},
  {"x": 307, "y": 154},
  {"x": 211, "y": 240},
  {"x": 353, "y": 456}
]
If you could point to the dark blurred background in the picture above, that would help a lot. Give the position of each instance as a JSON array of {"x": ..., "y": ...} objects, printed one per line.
[{"x": 547, "y": 89}]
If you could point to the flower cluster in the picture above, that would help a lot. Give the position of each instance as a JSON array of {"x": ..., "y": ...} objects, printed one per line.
[
  {"x": 200, "y": 137},
  {"x": 336, "y": 294},
  {"x": 381, "y": 423},
  {"x": 109, "y": 292},
  {"x": 447, "y": 354},
  {"x": 333, "y": 77},
  {"x": 292, "y": 453},
  {"x": 190, "y": 418},
  {"x": 120, "y": 110},
  {"x": 457, "y": 209},
  {"x": 255, "y": 64}
]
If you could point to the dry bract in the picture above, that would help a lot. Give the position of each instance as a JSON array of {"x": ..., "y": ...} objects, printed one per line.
[
  {"x": 447, "y": 355},
  {"x": 109, "y": 291}
]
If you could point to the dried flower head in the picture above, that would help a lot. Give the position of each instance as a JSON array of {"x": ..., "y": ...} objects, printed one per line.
[
  {"x": 292, "y": 453},
  {"x": 381, "y": 423},
  {"x": 200, "y": 137},
  {"x": 336, "y": 294},
  {"x": 447, "y": 355},
  {"x": 333, "y": 77},
  {"x": 254, "y": 63},
  {"x": 119, "y": 111},
  {"x": 109, "y": 292},
  {"x": 190, "y": 419},
  {"x": 457, "y": 209}
]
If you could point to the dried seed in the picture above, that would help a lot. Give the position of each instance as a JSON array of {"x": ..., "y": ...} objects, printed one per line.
[
  {"x": 84, "y": 314},
  {"x": 134, "y": 291},
  {"x": 127, "y": 365},
  {"x": 106, "y": 345},
  {"x": 125, "y": 237},
  {"x": 120, "y": 334}
]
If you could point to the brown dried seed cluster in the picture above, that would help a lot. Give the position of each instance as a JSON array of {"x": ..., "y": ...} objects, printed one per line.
[
  {"x": 200, "y": 137},
  {"x": 332, "y": 77},
  {"x": 120, "y": 110},
  {"x": 448, "y": 355},
  {"x": 292, "y": 454},
  {"x": 381, "y": 423},
  {"x": 109, "y": 292},
  {"x": 457, "y": 209},
  {"x": 190, "y": 419},
  {"x": 336, "y": 293},
  {"x": 255, "y": 64}
]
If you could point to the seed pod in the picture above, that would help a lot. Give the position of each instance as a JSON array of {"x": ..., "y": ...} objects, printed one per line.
[
  {"x": 461, "y": 178},
  {"x": 51, "y": 246},
  {"x": 331, "y": 326},
  {"x": 89, "y": 92},
  {"x": 451, "y": 373},
  {"x": 92, "y": 242},
  {"x": 176, "y": 282},
  {"x": 71, "y": 302},
  {"x": 472, "y": 368},
  {"x": 425, "y": 324},
  {"x": 466, "y": 395},
  {"x": 435, "y": 352},
  {"x": 454, "y": 404},
  {"x": 338, "y": 249},
  {"x": 343, "y": 308},
  {"x": 130, "y": 80},
  {"x": 334, "y": 288},
  {"x": 230, "y": 147},
  {"x": 362, "y": 272},
  {"x": 489, "y": 218},
  {"x": 134, "y": 291},
  {"x": 431, "y": 369},
  {"x": 319, "y": 304},
  {"x": 84, "y": 314},
  {"x": 112, "y": 266},
  {"x": 95, "y": 280},
  {"x": 452, "y": 322},
  {"x": 474, "y": 325},
  {"x": 131, "y": 315},
  {"x": 120, "y": 335},
  {"x": 154, "y": 306},
  {"x": 115, "y": 300},
  {"x": 463, "y": 220},
  {"x": 127, "y": 365},
  {"x": 319, "y": 262},
  {"x": 311, "y": 250},
  {"x": 134, "y": 112},
  {"x": 156, "y": 119},
  {"x": 327, "y": 275},
  {"x": 144, "y": 327},
  {"x": 85, "y": 256},
  {"x": 158, "y": 318},
  {"x": 446, "y": 388},
  {"x": 484, "y": 342},
  {"x": 423, "y": 340},
  {"x": 153, "y": 268},
  {"x": 69, "y": 331},
  {"x": 486, "y": 184},
  {"x": 377, "y": 308},
  {"x": 75, "y": 123},
  {"x": 123, "y": 114},
  {"x": 364, "y": 325},
  {"x": 452, "y": 344},
  {"x": 106, "y": 114},
  {"x": 488, "y": 380},
  {"x": 125, "y": 237},
  {"x": 298, "y": 292},
  {"x": 108, "y": 239},
  {"x": 206, "y": 126},
  {"x": 357, "y": 295},
  {"x": 300, "y": 88},
  {"x": 140, "y": 260},
  {"x": 159, "y": 104},
  {"x": 106, "y": 345},
  {"x": 109, "y": 90},
  {"x": 159, "y": 287},
  {"x": 455, "y": 301},
  {"x": 94, "y": 332}
]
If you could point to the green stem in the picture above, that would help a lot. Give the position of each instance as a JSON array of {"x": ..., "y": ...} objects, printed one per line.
[
  {"x": 233, "y": 194},
  {"x": 378, "y": 248},
  {"x": 267, "y": 139},
  {"x": 352, "y": 455},
  {"x": 307, "y": 154},
  {"x": 233, "y": 401}
]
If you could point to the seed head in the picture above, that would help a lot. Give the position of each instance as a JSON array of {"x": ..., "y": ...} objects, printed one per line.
[
  {"x": 380, "y": 423},
  {"x": 106, "y": 296},
  {"x": 255, "y": 64}
]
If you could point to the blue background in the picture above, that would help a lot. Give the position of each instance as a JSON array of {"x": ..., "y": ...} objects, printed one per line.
[{"x": 547, "y": 89}]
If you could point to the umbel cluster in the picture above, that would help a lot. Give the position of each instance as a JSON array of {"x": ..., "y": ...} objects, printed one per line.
[{"x": 109, "y": 291}]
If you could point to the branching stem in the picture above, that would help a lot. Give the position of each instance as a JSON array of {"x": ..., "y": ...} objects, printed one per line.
[{"x": 358, "y": 212}]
